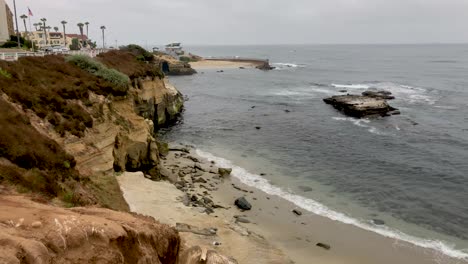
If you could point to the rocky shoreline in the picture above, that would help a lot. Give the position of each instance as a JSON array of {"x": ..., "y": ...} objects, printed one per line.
[{"x": 211, "y": 208}]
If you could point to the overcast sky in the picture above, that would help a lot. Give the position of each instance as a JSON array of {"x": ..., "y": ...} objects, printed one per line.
[{"x": 260, "y": 21}]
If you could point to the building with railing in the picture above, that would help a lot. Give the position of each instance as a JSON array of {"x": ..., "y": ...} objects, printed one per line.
[{"x": 41, "y": 39}]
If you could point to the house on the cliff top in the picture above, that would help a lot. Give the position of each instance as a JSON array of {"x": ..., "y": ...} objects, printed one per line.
[{"x": 6, "y": 22}]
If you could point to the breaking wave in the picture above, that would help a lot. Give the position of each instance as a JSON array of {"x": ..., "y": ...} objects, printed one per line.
[{"x": 315, "y": 207}]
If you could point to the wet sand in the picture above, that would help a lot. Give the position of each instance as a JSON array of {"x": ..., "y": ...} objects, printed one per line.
[{"x": 274, "y": 235}]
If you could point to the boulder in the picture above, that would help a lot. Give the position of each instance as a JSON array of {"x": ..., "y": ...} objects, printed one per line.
[
  {"x": 224, "y": 171},
  {"x": 136, "y": 156},
  {"x": 297, "y": 212},
  {"x": 243, "y": 204},
  {"x": 360, "y": 106},
  {"x": 324, "y": 246}
]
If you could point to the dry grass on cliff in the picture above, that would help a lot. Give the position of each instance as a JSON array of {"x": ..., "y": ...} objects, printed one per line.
[
  {"x": 128, "y": 63},
  {"x": 47, "y": 85},
  {"x": 33, "y": 161}
]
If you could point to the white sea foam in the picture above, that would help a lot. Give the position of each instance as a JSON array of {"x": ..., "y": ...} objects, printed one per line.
[
  {"x": 284, "y": 66},
  {"x": 288, "y": 65},
  {"x": 351, "y": 86},
  {"x": 408, "y": 93},
  {"x": 323, "y": 90},
  {"x": 261, "y": 183},
  {"x": 361, "y": 123},
  {"x": 288, "y": 93}
]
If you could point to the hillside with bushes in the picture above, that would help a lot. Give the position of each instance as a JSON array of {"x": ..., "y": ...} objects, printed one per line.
[{"x": 65, "y": 96}]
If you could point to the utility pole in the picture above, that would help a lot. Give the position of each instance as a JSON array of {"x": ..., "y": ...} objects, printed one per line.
[{"x": 17, "y": 28}]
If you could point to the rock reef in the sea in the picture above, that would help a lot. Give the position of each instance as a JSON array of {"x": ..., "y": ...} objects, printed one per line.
[
  {"x": 361, "y": 105},
  {"x": 265, "y": 66},
  {"x": 381, "y": 94}
]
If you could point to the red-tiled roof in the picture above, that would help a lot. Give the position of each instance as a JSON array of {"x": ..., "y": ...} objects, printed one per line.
[{"x": 78, "y": 36}]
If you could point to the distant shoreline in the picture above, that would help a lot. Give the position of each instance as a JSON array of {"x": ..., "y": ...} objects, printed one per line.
[{"x": 226, "y": 63}]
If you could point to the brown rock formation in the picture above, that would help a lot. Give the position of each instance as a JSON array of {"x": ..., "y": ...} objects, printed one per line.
[
  {"x": 36, "y": 233},
  {"x": 360, "y": 106}
]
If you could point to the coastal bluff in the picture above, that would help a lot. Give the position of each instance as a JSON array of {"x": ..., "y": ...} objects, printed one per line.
[{"x": 59, "y": 197}]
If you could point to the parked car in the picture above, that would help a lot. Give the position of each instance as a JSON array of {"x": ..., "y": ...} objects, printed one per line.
[
  {"x": 60, "y": 49},
  {"x": 47, "y": 49}
]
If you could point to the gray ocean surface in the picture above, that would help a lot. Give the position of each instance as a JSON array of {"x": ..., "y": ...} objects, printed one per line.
[{"x": 411, "y": 171}]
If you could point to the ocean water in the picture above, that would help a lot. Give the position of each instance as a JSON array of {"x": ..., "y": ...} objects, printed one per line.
[{"x": 411, "y": 171}]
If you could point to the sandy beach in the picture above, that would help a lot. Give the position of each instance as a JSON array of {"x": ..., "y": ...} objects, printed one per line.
[
  {"x": 222, "y": 64},
  {"x": 270, "y": 232}
]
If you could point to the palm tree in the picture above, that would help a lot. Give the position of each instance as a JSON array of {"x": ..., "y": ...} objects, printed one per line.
[
  {"x": 80, "y": 26},
  {"x": 87, "y": 29},
  {"x": 103, "y": 37},
  {"x": 64, "y": 35},
  {"x": 35, "y": 25},
  {"x": 56, "y": 29},
  {"x": 24, "y": 20},
  {"x": 44, "y": 28}
]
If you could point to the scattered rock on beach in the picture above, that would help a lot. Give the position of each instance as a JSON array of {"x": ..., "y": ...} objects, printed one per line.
[
  {"x": 242, "y": 220},
  {"x": 324, "y": 246},
  {"x": 179, "y": 149},
  {"x": 223, "y": 172},
  {"x": 243, "y": 204},
  {"x": 297, "y": 212},
  {"x": 193, "y": 159},
  {"x": 198, "y": 167}
]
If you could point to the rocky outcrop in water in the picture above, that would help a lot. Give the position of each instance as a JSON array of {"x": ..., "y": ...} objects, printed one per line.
[
  {"x": 171, "y": 66},
  {"x": 361, "y": 106},
  {"x": 380, "y": 94},
  {"x": 265, "y": 66},
  {"x": 180, "y": 68}
]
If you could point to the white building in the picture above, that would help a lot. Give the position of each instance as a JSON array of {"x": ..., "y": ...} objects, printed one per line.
[{"x": 4, "y": 22}]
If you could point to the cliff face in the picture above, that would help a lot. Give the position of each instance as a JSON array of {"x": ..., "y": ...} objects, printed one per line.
[
  {"x": 36, "y": 233},
  {"x": 59, "y": 127},
  {"x": 158, "y": 101}
]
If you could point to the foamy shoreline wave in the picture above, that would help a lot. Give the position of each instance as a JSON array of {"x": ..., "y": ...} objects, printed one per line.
[{"x": 310, "y": 205}]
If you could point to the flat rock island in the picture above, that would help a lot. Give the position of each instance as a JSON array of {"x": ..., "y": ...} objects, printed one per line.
[{"x": 361, "y": 105}]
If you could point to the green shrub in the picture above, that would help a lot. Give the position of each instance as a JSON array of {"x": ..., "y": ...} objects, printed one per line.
[
  {"x": 9, "y": 44},
  {"x": 141, "y": 53},
  {"x": 118, "y": 79},
  {"x": 5, "y": 73},
  {"x": 184, "y": 59},
  {"x": 115, "y": 77}
]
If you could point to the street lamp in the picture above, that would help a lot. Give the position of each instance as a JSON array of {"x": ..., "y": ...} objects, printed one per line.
[
  {"x": 103, "y": 37},
  {"x": 17, "y": 28}
]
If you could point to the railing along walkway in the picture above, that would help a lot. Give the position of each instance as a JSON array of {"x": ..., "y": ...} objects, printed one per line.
[{"x": 14, "y": 56}]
